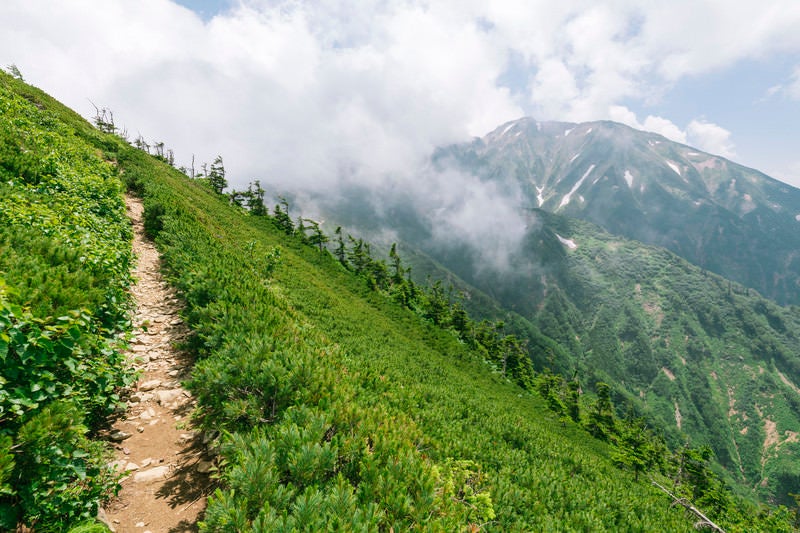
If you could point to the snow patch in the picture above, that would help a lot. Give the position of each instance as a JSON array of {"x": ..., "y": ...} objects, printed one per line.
[
  {"x": 650, "y": 143},
  {"x": 569, "y": 243},
  {"x": 508, "y": 128},
  {"x": 574, "y": 157},
  {"x": 797, "y": 217},
  {"x": 588, "y": 131},
  {"x": 518, "y": 134},
  {"x": 581, "y": 198},
  {"x": 565, "y": 200},
  {"x": 538, "y": 127},
  {"x": 567, "y": 132},
  {"x": 540, "y": 198},
  {"x": 629, "y": 178},
  {"x": 674, "y": 167}
]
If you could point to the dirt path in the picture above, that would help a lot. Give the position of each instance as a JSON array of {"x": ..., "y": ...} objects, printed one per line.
[{"x": 167, "y": 480}]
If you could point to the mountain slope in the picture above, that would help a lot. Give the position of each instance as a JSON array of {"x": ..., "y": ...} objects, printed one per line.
[
  {"x": 706, "y": 358},
  {"x": 724, "y": 217}
]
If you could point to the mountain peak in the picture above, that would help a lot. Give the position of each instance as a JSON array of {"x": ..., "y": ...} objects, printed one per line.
[{"x": 712, "y": 211}]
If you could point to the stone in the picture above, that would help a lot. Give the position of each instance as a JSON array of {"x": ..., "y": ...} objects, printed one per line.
[
  {"x": 169, "y": 396},
  {"x": 130, "y": 467},
  {"x": 149, "y": 385},
  {"x": 153, "y": 474},
  {"x": 119, "y": 436},
  {"x": 140, "y": 429}
]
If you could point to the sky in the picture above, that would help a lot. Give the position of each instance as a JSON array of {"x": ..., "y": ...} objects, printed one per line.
[{"x": 321, "y": 92}]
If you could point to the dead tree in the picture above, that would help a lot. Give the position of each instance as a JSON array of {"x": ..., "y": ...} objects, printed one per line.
[{"x": 704, "y": 522}]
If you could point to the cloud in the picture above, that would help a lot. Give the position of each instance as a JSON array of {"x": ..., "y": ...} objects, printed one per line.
[
  {"x": 664, "y": 127},
  {"x": 699, "y": 133},
  {"x": 651, "y": 123},
  {"x": 710, "y": 138}
]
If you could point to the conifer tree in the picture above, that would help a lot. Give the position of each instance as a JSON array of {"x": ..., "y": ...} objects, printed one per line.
[
  {"x": 255, "y": 199},
  {"x": 340, "y": 251},
  {"x": 281, "y": 216},
  {"x": 216, "y": 175},
  {"x": 317, "y": 237}
]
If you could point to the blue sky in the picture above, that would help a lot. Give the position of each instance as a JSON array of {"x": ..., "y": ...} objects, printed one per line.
[{"x": 296, "y": 92}]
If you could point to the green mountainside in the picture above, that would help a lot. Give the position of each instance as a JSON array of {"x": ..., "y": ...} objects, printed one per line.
[
  {"x": 337, "y": 408},
  {"x": 703, "y": 357},
  {"x": 724, "y": 217}
]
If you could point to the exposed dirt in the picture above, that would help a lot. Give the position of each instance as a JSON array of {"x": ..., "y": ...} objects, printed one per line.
[{"x": 167, "y": 474}]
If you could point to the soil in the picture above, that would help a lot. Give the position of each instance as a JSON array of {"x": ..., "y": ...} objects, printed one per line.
[{"x": 157, "y": 447}]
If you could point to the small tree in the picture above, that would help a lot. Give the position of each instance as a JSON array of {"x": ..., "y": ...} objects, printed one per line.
[
  {"x": 317, "y": 237},
  {"x": 14, "y": 71},
  {"x": 104, "y": 119},
  {"x": 340, "y": 251},
  {"x": 601, "y": 421},
  {"x": 281, "y": 217},
  {"x": 216, "y": 175},
  {"x": 255, "y": 199}
]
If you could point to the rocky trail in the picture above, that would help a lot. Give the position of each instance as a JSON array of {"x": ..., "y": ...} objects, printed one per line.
[{"x": 162, "y": 456}]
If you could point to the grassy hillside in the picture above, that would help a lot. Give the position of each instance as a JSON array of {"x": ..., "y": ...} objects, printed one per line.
[{"x": 336, "y": 408}]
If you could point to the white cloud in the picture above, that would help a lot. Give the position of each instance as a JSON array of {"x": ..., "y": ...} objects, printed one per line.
[
  {"x": 699, "y": 133},
  {"x": 710, "y": 138},
  {"x": 664, "y": 127},
  {"x": 651, "y": 123}
]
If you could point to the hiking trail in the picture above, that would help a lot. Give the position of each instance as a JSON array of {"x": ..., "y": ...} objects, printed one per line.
[{"x": 166, "y": 472}]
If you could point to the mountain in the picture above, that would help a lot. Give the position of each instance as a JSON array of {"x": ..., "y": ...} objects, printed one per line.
[{"x": 719, "y": 215}]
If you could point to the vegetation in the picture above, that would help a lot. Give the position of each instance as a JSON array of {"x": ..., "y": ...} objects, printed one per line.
[
  {"x": 345, "y": 395},
  {"x": 65, "y": 258}
]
